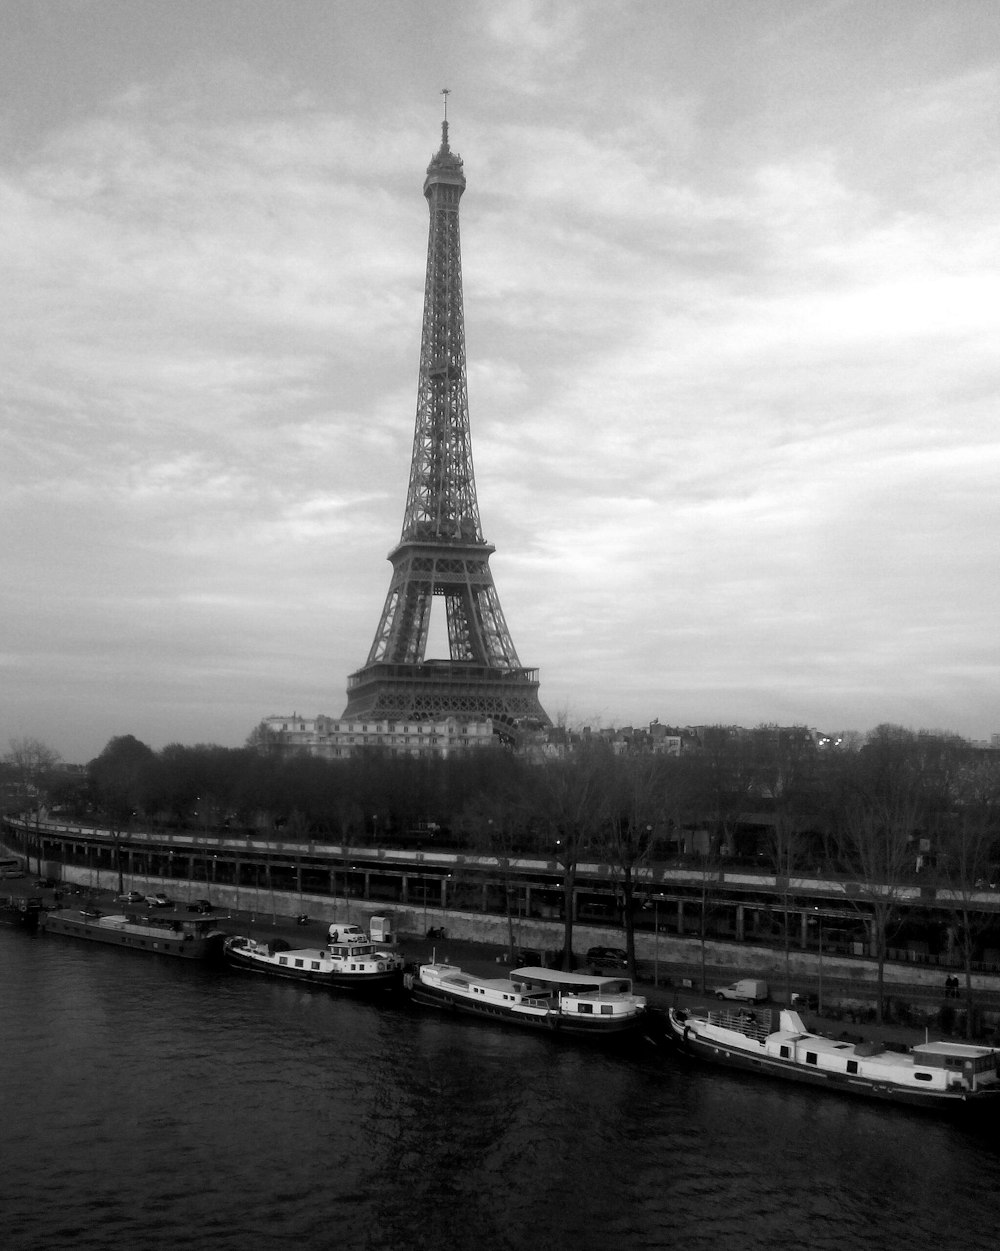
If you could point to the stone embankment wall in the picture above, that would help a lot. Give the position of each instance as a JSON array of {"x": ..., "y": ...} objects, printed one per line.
[
  {"x": 741, "y": 959},
  {"x": 737, "y": 959}
]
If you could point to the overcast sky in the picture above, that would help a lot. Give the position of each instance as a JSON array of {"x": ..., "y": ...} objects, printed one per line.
[{"x": 733, "y": 326}]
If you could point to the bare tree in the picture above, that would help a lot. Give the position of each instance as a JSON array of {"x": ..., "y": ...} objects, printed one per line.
[
  {"x": 264, "y": 740},
  {"x": 632, "y": 805},
  {"x": 966, "y": 863},
  {"x": 782, "y": 760},
  {"x": 568, "y": 816},
  {"x": 120, "y": 778},
  {"x": 722, "y": 780},
  {"x": 31, "y": 761},
  {"x": 723, "y": 768},
  {"x": 494, "y": 830},
  {"x": 882, "y": 807}
]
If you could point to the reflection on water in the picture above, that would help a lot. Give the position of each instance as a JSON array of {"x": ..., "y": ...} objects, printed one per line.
[{"x": 149, "y": 1103}]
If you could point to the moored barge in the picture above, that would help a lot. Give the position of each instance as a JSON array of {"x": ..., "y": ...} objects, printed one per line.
[
  {"x": 355, "y": 965},
  {"x": 191, "y": 938},
  {"x": 938, "y": 1075},
  {"x": 584, "y": 1005},
  {"x": 21, "y": 911}
]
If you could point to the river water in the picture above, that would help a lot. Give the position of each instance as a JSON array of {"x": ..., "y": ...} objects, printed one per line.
[{"x": 148, "y": 1103}]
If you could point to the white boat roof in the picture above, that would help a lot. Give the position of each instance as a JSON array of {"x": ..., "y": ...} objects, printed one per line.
[
  {"x": 262, "y": 946},
  {"x": 157, "y": 921},
  {"x": 958, "y": 1050},
  {"x": 558, "y": 978},
  {"x": 502, "y": 985}
]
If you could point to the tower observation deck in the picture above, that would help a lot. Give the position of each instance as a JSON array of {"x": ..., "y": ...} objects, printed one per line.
[{"x": 441, "y": 551}]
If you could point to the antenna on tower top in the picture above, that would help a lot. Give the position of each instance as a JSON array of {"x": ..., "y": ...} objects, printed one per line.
[{"x": 446, "y": 92}]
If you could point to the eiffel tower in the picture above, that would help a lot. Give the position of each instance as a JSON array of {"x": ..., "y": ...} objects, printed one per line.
[{"x": 442, "y": 550}]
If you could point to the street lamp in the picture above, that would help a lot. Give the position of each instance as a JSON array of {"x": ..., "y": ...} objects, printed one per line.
[
  {"x": 819, "y": 984},
  {"x": 656, "y": 939}
]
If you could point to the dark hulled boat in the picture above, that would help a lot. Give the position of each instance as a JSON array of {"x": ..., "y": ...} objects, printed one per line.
[
  {"x": 21, "y": 911},
  {"x": 585, "y": 1005},
  {"x": 357, "y": 966},
  {"x": 191, "y": 938}
]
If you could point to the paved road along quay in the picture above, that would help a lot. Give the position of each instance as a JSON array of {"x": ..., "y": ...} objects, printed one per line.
[{"x": 673, "y": 983}]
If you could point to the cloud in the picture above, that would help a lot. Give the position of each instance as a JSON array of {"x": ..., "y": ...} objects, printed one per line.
[{"x": 731, "y": 311}]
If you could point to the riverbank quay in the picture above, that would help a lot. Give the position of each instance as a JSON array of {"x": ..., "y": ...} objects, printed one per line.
[
  {"x": 748, "y": 915},
  {"x": 679, "y": 987},
  {"x": 847, "y": 1014},
  {"x": 422, "y": 891},
  {"x": 835, "y": 1003}
]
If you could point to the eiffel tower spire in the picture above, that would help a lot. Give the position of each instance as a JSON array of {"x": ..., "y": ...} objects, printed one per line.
[{"x": 441, "y": 551}]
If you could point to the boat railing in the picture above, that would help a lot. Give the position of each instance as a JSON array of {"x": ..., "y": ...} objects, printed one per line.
[{"x": 751, "y": 1022}]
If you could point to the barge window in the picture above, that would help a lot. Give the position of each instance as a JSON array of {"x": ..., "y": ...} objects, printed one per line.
[
  {"x": 810, "y": 1057},
  {"x": 585, "y": 1007},
  {"x": 607, "y": 1009},
  {"x": 923, "y": 1077},
  {"x": 852, "y": 1066},
  {"x": 786, "y": 1052}
]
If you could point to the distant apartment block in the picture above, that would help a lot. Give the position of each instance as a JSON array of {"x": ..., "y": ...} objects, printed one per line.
[{"x": 335, "y": 739}]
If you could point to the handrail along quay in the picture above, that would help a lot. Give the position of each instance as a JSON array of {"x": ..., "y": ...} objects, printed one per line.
[{"x": 828, "y": 915}]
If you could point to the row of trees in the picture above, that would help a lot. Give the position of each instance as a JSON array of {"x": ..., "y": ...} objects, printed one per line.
[{"x": 878, "y": 809}]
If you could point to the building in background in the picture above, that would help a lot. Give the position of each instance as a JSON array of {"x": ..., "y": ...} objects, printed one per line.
[{"x": 334, "y": 739}]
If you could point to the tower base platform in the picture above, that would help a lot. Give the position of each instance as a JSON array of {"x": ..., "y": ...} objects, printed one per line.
[{"x": 434, "y": 689}]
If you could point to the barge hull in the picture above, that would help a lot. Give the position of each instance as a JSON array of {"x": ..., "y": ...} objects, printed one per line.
[
  {"x": 716, "y": 1052},
  {"x": 208, "y": 947},
  {"x": 391, "y": 979},
  {"x": 546, "y": 1022}
]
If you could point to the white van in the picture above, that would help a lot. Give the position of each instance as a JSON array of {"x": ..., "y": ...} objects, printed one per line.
[
  {"x": 382, "y": 929},
  {"x": 338, "y": 933},
  {"x": 747, "y": 990}
]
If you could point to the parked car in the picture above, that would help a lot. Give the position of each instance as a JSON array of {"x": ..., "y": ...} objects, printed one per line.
[
  {"x": 607, "y": 958},
  {"x": 201, "y": 905},
  {"x": 529, "y": 958},
  {"x": 44, "y": 883},
  {"x": 158, "y": 900},
  {"x": 90, "y": 913},
  {"x": 132, "y": 897}
]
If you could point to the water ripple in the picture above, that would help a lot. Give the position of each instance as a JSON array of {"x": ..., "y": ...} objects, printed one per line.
[{"x": 157, "y": 1105}]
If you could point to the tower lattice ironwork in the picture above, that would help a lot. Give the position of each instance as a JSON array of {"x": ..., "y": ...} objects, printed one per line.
[{"x": 441, "y": 550}]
